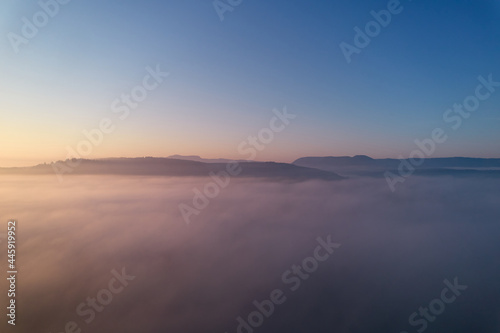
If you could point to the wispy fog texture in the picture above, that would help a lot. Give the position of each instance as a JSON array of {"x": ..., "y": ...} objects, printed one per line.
[{"x": 396, "y": 251}]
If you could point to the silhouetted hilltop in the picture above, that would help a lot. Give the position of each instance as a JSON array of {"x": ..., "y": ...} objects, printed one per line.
[
  {"x": 362, "y": 160},
  {"x": 364, "y": 165},
  {"x": 197, "y": 158},
  {"x": 176, "y": 168}
]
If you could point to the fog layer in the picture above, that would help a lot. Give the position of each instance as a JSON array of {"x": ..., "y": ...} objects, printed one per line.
[{"x": 396, "y": 249}]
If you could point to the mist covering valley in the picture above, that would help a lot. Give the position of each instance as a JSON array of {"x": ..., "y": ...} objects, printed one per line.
[{"x": 395, "y": 250}]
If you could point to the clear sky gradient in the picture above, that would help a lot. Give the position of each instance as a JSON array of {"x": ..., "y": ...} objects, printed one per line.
[{"x": 227, "y": 76}]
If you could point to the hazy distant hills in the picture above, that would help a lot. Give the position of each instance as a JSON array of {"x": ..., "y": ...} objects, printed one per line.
[
  {"x": 176, "y": 168},
  {"x": 365, "y": 165},
  {"x": 325, "y": 168},
  {"x": 197, "y": 158}
]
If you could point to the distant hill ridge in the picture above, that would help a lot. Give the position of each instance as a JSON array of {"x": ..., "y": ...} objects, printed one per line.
[
  {"x": 154, "y": 166},
  {"x": 305, "y": 168},
  {"x": 197, "y": 158},
  {"x": 329, "y": 162}
]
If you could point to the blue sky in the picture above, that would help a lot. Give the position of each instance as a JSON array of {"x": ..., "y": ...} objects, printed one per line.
[{"x": 227, "y": 76}]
